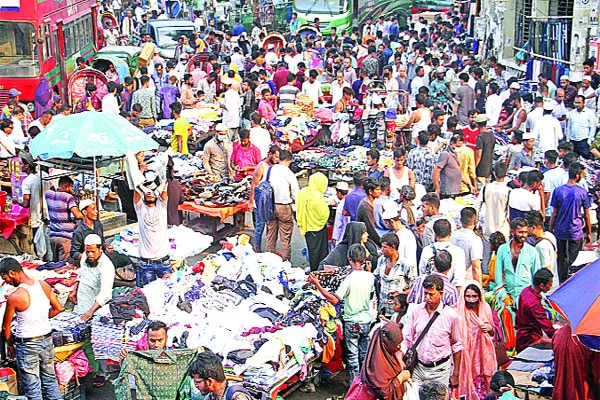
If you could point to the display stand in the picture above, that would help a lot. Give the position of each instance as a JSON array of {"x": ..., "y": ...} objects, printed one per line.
[{"x": 211, "y": 220}]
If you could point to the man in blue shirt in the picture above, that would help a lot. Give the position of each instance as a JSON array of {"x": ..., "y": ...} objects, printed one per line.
[
  {"x": 354, "y": 198},
  {"x": 571, "y": 211},
  {"x": 238, "y": 28},
  {"x": 581, "y": 129}
]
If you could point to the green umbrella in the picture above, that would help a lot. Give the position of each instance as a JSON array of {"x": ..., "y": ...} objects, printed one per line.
[{"x": 90, "y": 134}]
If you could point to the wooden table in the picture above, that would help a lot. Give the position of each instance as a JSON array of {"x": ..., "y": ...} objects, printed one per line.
[{"x": 211, "y": 220}]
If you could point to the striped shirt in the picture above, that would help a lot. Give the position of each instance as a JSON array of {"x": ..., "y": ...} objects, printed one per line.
[
  {"x": 59, "y": 206},
  {"x": 417, "y": 293},
  {"x": 287, "y": 95}
]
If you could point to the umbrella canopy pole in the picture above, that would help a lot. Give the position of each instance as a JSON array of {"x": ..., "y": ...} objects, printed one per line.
[{"x": 96, "y": 185}]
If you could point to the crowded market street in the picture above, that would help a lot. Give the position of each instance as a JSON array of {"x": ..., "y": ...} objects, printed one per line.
[{"x": 299, "y": 199}]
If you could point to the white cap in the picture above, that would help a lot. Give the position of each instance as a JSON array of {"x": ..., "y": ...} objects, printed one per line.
[
  {"x": 390, "y": 211},
  {"x": 565, "y": 77},
  {"x": 271, "y": 46},
  {"x": 84, "y": 203},
  {"x": 92, "y": 239},
  {"x": 221, "y": 127},
  {"x": 587, "y": 78},
  {"x": 377, "y": 100},
  {"x": 548, "y": 106},
  {"x": 343, "y": 186},
  {"x": 528, "y": 135},
  {"x": 515, "y": 86},
  {"x": 440, "y": 70}
]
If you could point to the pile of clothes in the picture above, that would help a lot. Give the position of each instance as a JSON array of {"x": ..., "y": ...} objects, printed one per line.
[
  {"x": 225, "y": 193},
  {"x": 255, "y": 310},
  {"x": 162, "y": 132},
  {"x": 185, "y": 242},
  {"x": 345, "y": 161},
  {"x": 67, "y": 327}
]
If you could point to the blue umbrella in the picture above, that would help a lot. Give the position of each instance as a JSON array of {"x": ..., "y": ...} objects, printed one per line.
[{"x": 90, "y": 134}]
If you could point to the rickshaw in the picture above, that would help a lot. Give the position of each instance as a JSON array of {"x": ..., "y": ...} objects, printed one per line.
[
  {"x": 106, "y": 17},
  {"x": 77, "y": 81},
  {"x": 102, "y": 62},
  {"x": 276, "y": 39},
  {"x": 129, "y": 54},
  {"x": 306, "y": 31}
]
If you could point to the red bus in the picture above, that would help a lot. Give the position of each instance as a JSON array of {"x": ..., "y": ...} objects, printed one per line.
[{"x": 41, "y": 39}]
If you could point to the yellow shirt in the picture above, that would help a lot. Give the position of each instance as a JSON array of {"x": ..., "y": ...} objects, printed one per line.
[
  {"x": 466, "y": 159},
  {"x": 180, "y": 128}
]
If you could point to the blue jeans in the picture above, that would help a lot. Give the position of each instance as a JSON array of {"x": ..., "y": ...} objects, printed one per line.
[
  {"x": 357, "y": 344},
  {"x": 35, "y": 361},
  {"x": 146, "y": 272},
  {"x": 259, "y": 228}
]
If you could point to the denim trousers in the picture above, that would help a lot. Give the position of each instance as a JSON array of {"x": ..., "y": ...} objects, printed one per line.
[
  {"x": 357, "y": 344},
  {"x": 146, "y": 272},
  {"x": 35, "y": 361},
  {"x": 259, "y": 228}
]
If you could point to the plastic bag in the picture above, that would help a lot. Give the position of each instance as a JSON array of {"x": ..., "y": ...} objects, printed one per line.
[{"x": 41, "y": 241}]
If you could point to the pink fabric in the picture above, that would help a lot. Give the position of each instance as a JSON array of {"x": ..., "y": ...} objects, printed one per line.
[
  {"x": 77, "y": 364},
  {"x": 266, "y": 110},
  {"x": 142, "y": 343},
  {"x": 241, "y": 157},
  {"x": 479, "y": 357}
]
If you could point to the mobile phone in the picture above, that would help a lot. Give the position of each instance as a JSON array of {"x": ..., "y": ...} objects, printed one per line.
[{"x": 463, "y": 397}]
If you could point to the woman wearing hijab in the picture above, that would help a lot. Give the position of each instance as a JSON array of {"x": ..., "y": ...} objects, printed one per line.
[
  {"x": 312, "y": 213},
  {"x": 356, "y": 232},
  {"x": 478, "y": 362},
  {"x": 381, "y": 369}
]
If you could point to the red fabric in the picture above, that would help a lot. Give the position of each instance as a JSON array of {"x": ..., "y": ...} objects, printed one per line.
[
  {"x": 471, "y": 136},
  {"x": 9, "y": 222},
  {"x": 280, "y": 78},
  {"x": 575, "y": 366}
]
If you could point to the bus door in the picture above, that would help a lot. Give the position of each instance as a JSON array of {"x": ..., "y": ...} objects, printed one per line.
[{"x": 59, "y": 54}]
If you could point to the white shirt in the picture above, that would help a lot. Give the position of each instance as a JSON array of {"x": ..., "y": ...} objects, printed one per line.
[
  {"x": 284, "y": 184},
  {"x": 271, "y": 58},
  {"x": 533, "y": 117},
  {"x": 261, "y": 138},
  {"x": 591, "y": 102},
  {"x": 547, "y": 133},
  {"x": 17, "y": 135},
  {"x": 7, "y": 146},
  {"x": 313, "y": 90},
  {"x": 231, "y": 116},
  {"x": 154, "y": 239},
  {"x": 553, "y": 178},
  {"x": 238, "y": 59},
  {"x": 407, "y": 250},
  {"x": 495, "y": 213},
  {"x": 95, "y": 283},
  {"x": 524, "y": 200},
  {"x": 340, "y": 223},
  {"x": 457, "y": 271},
  {"x": 337, "y": 91},
  {"x": 110, "y": 104},
  {"x": 472, "y": 246}
]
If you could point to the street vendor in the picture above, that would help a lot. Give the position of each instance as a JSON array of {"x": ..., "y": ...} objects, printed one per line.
[
  {"x": 181, "y": 130},
  {"x": 245, "y": 156},
  {"x": 217, "y": 153},
  {"x": 87, "y": 226},
  {"x": 208, "y": 375},
  {"x": 154, "y": 339}
]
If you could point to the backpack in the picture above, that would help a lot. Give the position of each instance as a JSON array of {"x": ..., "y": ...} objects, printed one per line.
[
  {"x": 233, "y": 389},
  {"x": 264, "y": 199}
]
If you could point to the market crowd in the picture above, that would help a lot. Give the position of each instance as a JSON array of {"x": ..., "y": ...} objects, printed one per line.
[{"x": 429, "y": 300}]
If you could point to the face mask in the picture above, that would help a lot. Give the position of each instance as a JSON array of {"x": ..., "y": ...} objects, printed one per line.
[
  {"x": 221, "y": 138},
  {"x": 471, "y": 304}
]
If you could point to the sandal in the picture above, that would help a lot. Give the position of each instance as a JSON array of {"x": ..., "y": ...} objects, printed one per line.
[{"x": 99, "y": 381}]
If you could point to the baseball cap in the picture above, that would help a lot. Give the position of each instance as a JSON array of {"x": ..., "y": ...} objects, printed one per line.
[
  {"x": 84, "y": 203},
  {"x": 481, "y": 118},
  {"x": 390, "y": 211},
  {"x": 92, "y": 239},
  {"x": 13, "y": 92},
  {"x": 221, "y": 127},
  {"x": 343, "y": 186},
  {"x": 515, "y": 86},
  {"x": 548, "y": 106}
]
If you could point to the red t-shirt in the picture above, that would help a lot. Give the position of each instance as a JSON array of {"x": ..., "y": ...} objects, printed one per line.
[{"x": 471, "y": 137}]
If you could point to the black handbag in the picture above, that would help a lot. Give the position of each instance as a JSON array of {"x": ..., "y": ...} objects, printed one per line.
[{"x": 412, "y": 356}]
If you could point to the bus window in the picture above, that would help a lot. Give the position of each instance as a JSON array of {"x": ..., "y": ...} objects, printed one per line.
[
  {"x": 46, "y": 42},
  {"x": 18, "y": 56},
  {"x": 69, "y": 45},
  {"x": 321, "y": 6}
]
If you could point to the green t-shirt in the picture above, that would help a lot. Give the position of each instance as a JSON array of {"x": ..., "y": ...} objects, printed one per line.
[
  {"x": 357, "y": 291},
  {"x": 180, "y": 128}
]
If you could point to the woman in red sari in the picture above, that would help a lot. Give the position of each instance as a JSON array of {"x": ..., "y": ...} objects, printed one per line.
[{"x": 478, "y": 362}]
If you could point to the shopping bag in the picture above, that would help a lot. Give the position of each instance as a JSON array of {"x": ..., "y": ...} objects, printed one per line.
[
  {"x": 41, "y": 242},
  {"x": 411, "y": 391},
  {"x": 360, "y": 391}
]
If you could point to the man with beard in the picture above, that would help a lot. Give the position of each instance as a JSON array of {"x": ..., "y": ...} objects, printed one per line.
[
  {"x": 90, "y": 224},
  {"x": 516, "y": 261},
  {"x": 94, "y": 288}
]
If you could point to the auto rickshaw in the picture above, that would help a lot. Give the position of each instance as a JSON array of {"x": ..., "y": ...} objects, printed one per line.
[
  {"x": 102, "y": 63},
  {"x": 129, "y": 54}
]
